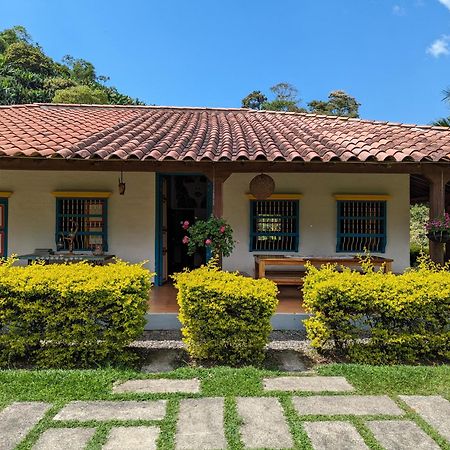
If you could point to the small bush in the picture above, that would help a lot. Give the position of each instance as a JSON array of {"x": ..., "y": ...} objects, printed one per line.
[
  {"x": 380, "y": 318},
  {"x": 71, "y": 315},
  {"x": 225, "y": 316}
]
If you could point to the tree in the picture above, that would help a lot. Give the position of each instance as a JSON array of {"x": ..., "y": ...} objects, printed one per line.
[
  {"x": 339, "y": 104},
  {"x": 28, "y": 75},
  {"x": 286, "y": 98},
  {"x": 445, "y": 121},
  {"x": 254, "y": 100},
  {"x": 27, "y": 57},
  {"x": 80, "y": 94}
]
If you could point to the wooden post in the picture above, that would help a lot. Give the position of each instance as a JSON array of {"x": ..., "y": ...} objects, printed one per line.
[{"x": 438, "y": 179}]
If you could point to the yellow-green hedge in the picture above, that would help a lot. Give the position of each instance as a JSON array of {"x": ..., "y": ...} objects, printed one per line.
[
  {"x": 380, "y": 318},
  {"x": 225, "y": 316},
  {"x": 71, "y": 315}
]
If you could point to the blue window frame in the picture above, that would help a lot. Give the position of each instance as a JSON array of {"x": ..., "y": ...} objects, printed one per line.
[
  {"x": 3, "y": 227},
  {"x": 274, "y": 225},
  {"x": 87, "y": 216},
  {"x": 361, "y": 226}
]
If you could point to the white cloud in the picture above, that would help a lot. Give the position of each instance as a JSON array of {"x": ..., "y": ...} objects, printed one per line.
[
  {"x": 446, "y": 3},
  {"x": 398, "y": 10},
  {"x": 440, "y": 47}
]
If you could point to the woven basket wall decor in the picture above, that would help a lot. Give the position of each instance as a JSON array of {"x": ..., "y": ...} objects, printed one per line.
[{"x": 262, "y": 186}]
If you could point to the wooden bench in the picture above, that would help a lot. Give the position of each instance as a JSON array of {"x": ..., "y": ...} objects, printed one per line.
[{"x": 295, "y": 277}]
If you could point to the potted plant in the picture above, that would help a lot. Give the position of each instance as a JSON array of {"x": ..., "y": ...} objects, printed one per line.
[
  {"x": 438, "y": 229},
  {"x": 214, "y": 234}
]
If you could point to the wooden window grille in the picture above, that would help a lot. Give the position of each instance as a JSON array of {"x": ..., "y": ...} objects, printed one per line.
[
  {"x": 274, "y": 225},
  {"x": 88, "y": 216},
  {"x": 361, "y": 226},
  {"x": 3, "y": 226}
]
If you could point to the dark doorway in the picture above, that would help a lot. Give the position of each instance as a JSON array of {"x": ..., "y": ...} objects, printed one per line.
[{"x": 182, "y": 197}]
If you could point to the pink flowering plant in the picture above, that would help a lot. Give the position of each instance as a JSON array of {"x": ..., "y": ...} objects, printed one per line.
[
  {"x": 440, "y": 224},
  {"x": 213, "y": 233}
]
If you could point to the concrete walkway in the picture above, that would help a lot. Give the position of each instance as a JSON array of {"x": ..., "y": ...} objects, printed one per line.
[{"x": 324, "y": 418}]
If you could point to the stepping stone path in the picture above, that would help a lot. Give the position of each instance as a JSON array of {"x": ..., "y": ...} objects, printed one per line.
[
  {"x": 356, "y": 405},
  {"x": 200, "y": 421},
  {"x": 334, "y": 436},
  {"x": 111, "y": 410},
  {"x": 264, "y": 424},
  {"x": 17, "y": 420},
  {"x": 401, "y": 435},
  {"x": 311, "y": 384},
  {"x": 158, "y": 386},
  {"x": 201, "y": 424},
  {"x": 64, "y": 438},
  {"x": 132, "y": 438},
  {"x": 434, "y": 409}
]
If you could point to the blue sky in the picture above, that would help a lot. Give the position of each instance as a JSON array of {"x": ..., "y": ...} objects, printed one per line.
[{"x": 392, "y": 55}]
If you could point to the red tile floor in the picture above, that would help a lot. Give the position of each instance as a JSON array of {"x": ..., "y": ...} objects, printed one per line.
[{"x": 163, "y": 299}]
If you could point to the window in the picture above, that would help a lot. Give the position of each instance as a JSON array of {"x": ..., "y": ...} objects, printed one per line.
[
  {"x": 361, "y": 226},
  {"x": 85, "y": 216},
  {"x": 3, "y": 227},
  {"x": 274, "y": 225}
]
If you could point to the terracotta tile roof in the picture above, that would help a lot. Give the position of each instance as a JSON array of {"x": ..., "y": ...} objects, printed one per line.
[{"x": 170, "y": 133}]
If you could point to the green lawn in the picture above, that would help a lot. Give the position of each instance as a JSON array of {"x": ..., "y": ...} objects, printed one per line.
[{"x": 59, "y": 387}]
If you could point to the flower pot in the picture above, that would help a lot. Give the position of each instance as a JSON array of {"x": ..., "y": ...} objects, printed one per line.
[{"x": 439, "y": 236}]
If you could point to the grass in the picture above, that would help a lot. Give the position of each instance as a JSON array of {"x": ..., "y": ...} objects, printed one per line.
[{"x": 59, "y": 387}]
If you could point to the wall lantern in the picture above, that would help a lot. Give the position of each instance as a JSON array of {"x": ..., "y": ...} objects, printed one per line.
[
  {"x": 262, "y": 186},
  {"x": 122, "y": 185}
]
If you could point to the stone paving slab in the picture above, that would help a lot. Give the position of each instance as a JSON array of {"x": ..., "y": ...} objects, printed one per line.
[
  {"x": 311, "y": 384},
  {"x": 264, "y": 424},
  {"x": 64, "y": 439},
  {"x": 160, "y": 386},
  {"x": 113, "y": 410},
  {"x": 201, "y": 424},
  {"x": 355, "y": 405},
  {"x": 17, "y": 420},
  {"x": 132, "y": 438},
  {"x": 334, "y": 435},
  {"x": 434, "y": 409},
  {"x": 401, "y": 435}
]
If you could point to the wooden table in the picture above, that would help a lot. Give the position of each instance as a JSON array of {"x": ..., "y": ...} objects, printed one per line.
[{"x": 294, "y": 277}]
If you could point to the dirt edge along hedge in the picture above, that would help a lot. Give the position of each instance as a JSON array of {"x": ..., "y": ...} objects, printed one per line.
[
  {"x": 225, "y": 316},
  {"x": 379, "y": 318},
  {"x": 73, "y": 315}
]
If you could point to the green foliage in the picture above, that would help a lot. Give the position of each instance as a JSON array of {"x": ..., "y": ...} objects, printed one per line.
[
  {"x": 71, "y": 315},
  {"x": 339, "y": 104},
  {"x": 254, "y": 100},
  {"x": 406, "y": 318},
  {"x": 225, "y": 316},
  {"x": 286, "y": 99},
  {"x": 213, "y": 233},
  {"x": 80, "y": 94},
  {"x": 27, "y": 75}
]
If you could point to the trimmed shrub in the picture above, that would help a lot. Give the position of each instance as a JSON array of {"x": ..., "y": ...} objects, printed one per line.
[
  {"x": 225, "y": 316},
  {"x": 380, "y": 318},
  {"x": 72, "y": 315}
]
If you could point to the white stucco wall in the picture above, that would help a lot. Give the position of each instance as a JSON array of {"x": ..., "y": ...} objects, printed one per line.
[
  {"x": 131, "y": 218},
  {"x": 31, "y": 224},
  {"x": 318, "y": 212}
]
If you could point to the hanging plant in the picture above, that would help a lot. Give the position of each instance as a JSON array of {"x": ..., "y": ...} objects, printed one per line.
[
  {"x": 438, "y": 229},
  {"x": 213, "y": 233}
]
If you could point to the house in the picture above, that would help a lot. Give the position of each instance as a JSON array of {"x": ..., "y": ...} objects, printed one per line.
[{"x": 341, "y": 185}]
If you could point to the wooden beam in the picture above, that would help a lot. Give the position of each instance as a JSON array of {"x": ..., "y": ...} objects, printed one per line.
[
  {"x": 438, "y": 178},
  {"x": 208, "y": 167},
  {"x": 218, "y": 181}
]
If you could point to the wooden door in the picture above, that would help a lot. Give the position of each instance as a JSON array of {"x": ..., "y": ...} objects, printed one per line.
[
  {"x": 164, "y": 200},
  {"x": 3, "y": 226}
]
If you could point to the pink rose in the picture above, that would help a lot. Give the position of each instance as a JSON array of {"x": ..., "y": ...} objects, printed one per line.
[
  {"x": 208, "y": 242},
  {"x": 185, "y": 240},
  {"x": 185, "y": 225},
  {"x": 222, "y": 229}
]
